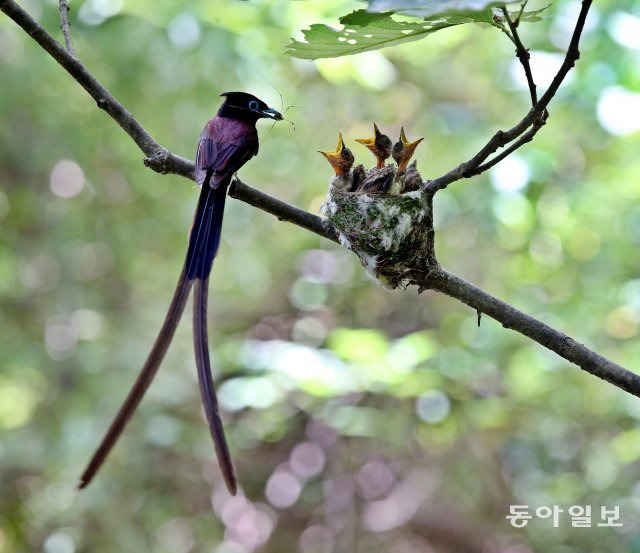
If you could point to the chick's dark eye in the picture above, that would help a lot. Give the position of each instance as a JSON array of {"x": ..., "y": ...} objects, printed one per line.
[
  {"x": 346, "y": 153},
  {"x": 253, "y": 105}
]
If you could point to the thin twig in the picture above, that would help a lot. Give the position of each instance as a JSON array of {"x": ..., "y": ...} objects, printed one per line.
[
  {"x": 63, "y": 6},
  {"x": 162, "y": 160},
  {"x": 526, "y": 137},
  {"x": 497, "y": 22},
  {"x": 520, "y": 12},
  {"x": 523, "y": 55}
]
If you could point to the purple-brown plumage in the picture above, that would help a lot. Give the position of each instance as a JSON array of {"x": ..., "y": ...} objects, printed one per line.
[
  {"x": 227, "y": 142},
  {"x": 225, "y": 145}
]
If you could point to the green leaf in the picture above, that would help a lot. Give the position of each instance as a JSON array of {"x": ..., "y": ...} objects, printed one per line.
[
  {"x": 364, "y": 31},
  {"x": 529, "y": 17},
  {"x": 429, "y": 9},
  {"x": 424, "y": 8},
  {"x": 363, "y": 18}
]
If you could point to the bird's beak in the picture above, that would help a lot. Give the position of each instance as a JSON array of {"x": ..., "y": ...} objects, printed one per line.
[
  {"x": 370, "y": 142},
  {"x": 407, "y": 150},
  {"x": 271, "y": 113},
  {"x": 410, "y": 146},
  {"x": 335, "y": 157}
]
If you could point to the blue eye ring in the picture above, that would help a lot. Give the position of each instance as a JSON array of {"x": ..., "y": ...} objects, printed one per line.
[{"x": 253, "y": 105}]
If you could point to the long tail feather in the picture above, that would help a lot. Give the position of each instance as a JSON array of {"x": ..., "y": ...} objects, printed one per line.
[
  {"x": 203, "y": 244},
  {"x": 180, "y": 297},
  {"x": 207, "y": 390}
]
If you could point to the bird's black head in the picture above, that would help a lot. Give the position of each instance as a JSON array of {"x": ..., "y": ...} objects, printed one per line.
[
  {"x": 382, "y": 143},
  {"x": 246, "y": 107}
]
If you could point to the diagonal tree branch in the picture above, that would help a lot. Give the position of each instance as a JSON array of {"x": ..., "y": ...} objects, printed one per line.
[
  {"x": 537, "y": 113},
  {"x": 282, "y": 210},
  {"x": 162, "y": 160},
  {"x": 510, "y": 317}
]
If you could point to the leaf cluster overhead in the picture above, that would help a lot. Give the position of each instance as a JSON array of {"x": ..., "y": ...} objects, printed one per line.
[{"x": 376, "y": 27}]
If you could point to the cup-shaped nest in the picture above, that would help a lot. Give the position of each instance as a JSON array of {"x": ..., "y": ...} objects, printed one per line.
[{"x": 391, "y": 235}]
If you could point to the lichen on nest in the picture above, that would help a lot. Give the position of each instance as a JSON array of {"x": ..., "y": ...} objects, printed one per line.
[{"x": 391, "y": 235}]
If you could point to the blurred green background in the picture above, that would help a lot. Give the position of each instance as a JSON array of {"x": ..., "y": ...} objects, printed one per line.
[{"x": 359, "y": 419}]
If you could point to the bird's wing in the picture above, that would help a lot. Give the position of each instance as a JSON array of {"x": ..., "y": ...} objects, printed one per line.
[
  {"x": 221, "y": 159},
  {"x": 378, "y": 181},
  {"x": 358, "y": 177}
]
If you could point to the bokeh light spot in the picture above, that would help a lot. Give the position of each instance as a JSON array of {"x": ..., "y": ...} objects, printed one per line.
[
  {"x": 433, "y": 407},
  {"x": 67, "y": 179},
  {"x": 307, "y": 459},
  {"x": 510, "y": 175},
  {"x": 60, "y": 337},
  {"x": 619, "y": 111},
  {"x": 107, "y": 8},
  {"x": 622, "y": 322},
  {"x": 546, "y": 250},
  {"x": 326, "y": 266},
  {"x": 514, "y": 211},
  {"x": 283, "y": 489},
  {"x": 175, "y": 536},
  {"x": 40, "y": 273},
  {"x": 308, "y": 294},
  {"x": 59, "y": 542},
  {"x": 317, "y": 539},
  {"x": 373, "y": 70},
  {"x": 17, "y": 404},
  {"x": 624, "y": 28},
  {"x": 544, "y": 65},
  {"x": 87, "y": 323},
  {"x": 374, "y": 479},
  {"x": 184, "y": 31},
  {"x": 257, "y": 393},
  {"x": 309, "y": 330}
]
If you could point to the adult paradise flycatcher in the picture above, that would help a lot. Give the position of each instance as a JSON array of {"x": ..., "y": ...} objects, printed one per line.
[{"x": 227, "y": 142}]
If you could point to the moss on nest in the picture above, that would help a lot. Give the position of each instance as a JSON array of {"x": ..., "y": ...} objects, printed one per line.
[{"x": 392, "y": 235}]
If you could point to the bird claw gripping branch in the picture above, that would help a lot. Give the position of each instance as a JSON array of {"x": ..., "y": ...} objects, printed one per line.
[{"x": 382, "y": 214}]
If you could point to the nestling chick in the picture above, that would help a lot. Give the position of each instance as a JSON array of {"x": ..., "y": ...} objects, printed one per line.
[
  {"x": 379, "y": 144},
  {"x": 412, "y": 178},
  {"x": 402, "y": 152},
  {"x": 378, "y": 181},
  {"x": 342, "y": 159}
]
